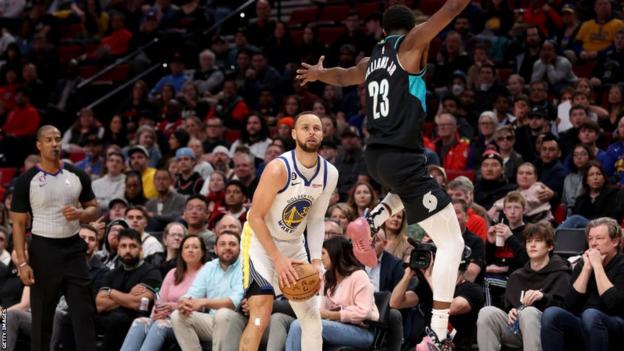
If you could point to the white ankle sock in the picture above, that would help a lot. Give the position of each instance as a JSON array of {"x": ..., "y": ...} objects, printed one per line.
[{"x": 439, "y": 322}]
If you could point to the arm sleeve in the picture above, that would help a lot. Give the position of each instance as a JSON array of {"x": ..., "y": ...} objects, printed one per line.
[
  {"x": 152, "y": 278},
  {"x": 236, "y": 285},
  {"x": 539, "y": 70},
  {"x": 166, "y": 286},
  {"x": 87, "y": 191},
  {"x": 613, "y": 298},
  {"x": 561, "y": 72},
  {"x": 316, "y": 226},
  {"x": 198, "y": 288},
  {"x": 574, "y": 300},
  {"x": 21, "y": 194}
]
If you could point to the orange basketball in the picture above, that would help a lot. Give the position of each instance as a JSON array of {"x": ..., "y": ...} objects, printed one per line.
[{"x": 307, "y": 285}]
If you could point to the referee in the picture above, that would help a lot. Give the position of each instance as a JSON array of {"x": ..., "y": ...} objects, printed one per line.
[{"x": 59, "y": 197}]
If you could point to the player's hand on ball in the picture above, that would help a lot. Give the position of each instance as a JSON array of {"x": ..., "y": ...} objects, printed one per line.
[
  {"x": 310, "y": 73},
  {"x": 285, "y": 270}
]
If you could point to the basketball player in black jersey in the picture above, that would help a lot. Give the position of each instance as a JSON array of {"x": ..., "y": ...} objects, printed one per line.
[{"x": 395, "y": 114}]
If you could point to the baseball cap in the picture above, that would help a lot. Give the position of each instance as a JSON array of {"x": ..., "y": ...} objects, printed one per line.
[
  {"x": 537, "y": 112},
  {"x": 185, "y": 152},
  {"x": 117, "y": 200},
  {"x": 138, "y": 148},
  {"x": 351, "y": 131},
  {"x": 221, "y": 149},
  {"x": 492, "y": 155},
  {"x": 567, "y": 8}
]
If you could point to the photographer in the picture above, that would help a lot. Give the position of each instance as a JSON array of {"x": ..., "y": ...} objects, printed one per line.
[
  {"x": 540, "y": 283},
  {"x": 467, "y": 301}
]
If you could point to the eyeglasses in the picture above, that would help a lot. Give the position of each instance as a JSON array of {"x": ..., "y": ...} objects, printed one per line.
[{"x": 508, "y": 138}]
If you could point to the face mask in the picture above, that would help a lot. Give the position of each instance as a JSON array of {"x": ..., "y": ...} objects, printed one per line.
[
  {"x": 485, "y": 86},
  {"x": 457, "y": 89}
]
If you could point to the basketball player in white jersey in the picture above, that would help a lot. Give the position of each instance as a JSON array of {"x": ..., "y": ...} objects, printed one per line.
[{"x": 292, "y": 195}]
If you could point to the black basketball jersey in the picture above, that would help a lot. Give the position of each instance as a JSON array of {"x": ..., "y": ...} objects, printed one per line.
[{"x": 395, "y": 99}]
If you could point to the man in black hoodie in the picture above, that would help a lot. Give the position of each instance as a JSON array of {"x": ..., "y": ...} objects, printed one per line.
[
  {"x": 591, "y": 317},
  {"x": 541, "y": 283}
]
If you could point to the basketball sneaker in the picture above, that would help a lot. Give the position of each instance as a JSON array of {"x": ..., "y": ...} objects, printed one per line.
[
  {"x": 430, "y": 342},
  {"x": 360, "y": 231}
]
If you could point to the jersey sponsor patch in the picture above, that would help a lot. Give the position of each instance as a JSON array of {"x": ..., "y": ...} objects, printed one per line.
[{"x": 295, "y": 212}]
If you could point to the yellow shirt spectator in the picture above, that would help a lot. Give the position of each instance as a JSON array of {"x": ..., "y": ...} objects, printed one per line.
[
  {"x": 147, "y": 178},
  {"x": 595, "y": 36}
]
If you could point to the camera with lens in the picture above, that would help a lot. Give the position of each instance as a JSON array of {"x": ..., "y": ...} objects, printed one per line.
[{"x": 422, "y": 254}]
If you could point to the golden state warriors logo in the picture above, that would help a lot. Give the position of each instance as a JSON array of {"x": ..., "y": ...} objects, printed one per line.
[{"x": 295, "y": 212}]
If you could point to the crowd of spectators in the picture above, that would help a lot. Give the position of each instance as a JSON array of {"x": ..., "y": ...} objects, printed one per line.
[{"x": 524, "y": 130}]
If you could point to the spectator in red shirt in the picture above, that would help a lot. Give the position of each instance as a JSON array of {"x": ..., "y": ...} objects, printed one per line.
[
  {"x": 452, "y": 149},
  {"x": 24, "y": 119},
  {"x": 463, "y": 189}
]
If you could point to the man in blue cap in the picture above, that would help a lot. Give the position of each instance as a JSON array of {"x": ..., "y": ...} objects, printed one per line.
[{"x": 188, "y": 182}]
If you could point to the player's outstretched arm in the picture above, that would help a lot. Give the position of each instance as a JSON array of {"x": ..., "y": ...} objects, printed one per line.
[
  {"x": 421, "y": 35},
  {"x": 336, "y": 76}
]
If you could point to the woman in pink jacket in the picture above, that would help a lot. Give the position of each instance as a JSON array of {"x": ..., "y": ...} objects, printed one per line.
[{"x": 347, "y": 300}]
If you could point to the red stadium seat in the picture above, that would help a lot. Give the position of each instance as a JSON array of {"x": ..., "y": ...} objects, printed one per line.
[
  {"x": 584, "y": 71},
  {"x": 232, "y": 135},
  {"x": 88, "y": 71},
  {"x": 328, "y": 35},
  {"x": 68, "y": 52},
  {"x": 429, "y": 7},
  {"x": 7, "y": 174},
  {"x": 337, "y": 13},
  {"x": 450, "y": 175},
  {"x": 303, "y": 17},
  {"x": 366, "y": 9},
  {"x": 503, "y": 74},
  {"x": 76, "y": 156},
  {"x": 2, "y": 191},
  {"x": 560, "y": 213}
]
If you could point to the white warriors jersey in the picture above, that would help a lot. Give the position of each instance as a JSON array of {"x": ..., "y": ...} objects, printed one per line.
[{"x": 287, "y": 217}]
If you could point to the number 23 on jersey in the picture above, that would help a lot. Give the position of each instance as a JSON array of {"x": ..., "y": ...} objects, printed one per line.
[{"x": 378, "y": 91}]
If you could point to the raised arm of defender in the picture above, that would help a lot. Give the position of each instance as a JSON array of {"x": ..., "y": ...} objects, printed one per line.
[
  {"x": 415, "y": 44},
  {"x": 336, "y": 76}
]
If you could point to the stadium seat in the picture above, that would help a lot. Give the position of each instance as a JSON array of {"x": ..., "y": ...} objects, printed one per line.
[
  {"x": 366, "y": 9},
  {"x": 379, "y": 327},
  {"x": 67, "y": 52},
  {"x": 76, "y": 156},
  {"x": 336, "y": 13},
  {"x": 584, "y": 71},
  {"x": 6, "y": 175},
  {"x": 429, "y": 7},
  {"x": 560, "y": 213},
  {"x": 232, "y": 135},
  {"x": 504, "y": 73},
  {"x": 328, "y": 35},
  {"x": 303, "y": 17},
  {"x": 570, "y": 242}
]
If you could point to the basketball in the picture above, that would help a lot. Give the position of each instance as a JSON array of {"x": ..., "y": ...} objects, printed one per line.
[{"x": 306, "y": 286}]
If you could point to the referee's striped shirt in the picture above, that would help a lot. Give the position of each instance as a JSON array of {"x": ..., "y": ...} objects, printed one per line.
[{"x": 45, "y": 195}]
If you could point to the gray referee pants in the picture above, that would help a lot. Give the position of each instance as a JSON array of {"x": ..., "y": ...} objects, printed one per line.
[{"x": 60, "y": 268}]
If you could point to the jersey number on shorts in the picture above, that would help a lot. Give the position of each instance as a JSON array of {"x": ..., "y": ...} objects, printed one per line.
[{"x": 379, "y": 93}]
